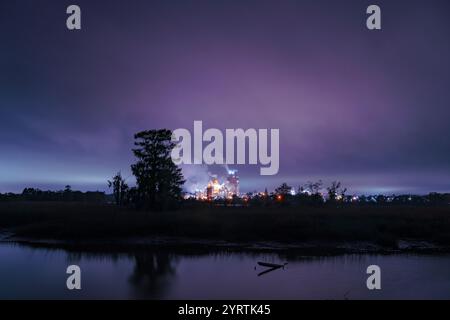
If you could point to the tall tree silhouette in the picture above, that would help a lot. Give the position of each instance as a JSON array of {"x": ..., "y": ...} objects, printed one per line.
[
  {"x": 120, "y": 188},
  {"x": 158, "y": 179}
]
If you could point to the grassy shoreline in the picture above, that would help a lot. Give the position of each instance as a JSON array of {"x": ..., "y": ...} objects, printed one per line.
[{"x": 78, "y": 222}]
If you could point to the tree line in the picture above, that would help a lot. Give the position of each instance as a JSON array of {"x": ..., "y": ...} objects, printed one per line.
[
  {"x": 159, "y": 186},
  {"x": 66, "y": 195}
]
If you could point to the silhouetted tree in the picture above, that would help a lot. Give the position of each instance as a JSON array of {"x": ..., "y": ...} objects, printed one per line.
[
  {"x": 283, "y": 190},
  {"x": 131, "y": 196},
  {"x": 68, "y": 193},
  {"x": 437, "y": 198},
  {"x": 336, "y": 191},
  {"x": 381, "y": 199},
  {"x": 283, "y": 193},
  {"x": 120, "y": 188},
  {"x": 159, "y": 181},
  {"x": 313, "y": 187},
  {"x": 309, "y": 193}
]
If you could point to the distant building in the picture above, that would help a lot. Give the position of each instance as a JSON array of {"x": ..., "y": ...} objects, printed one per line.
[
  {"x": 217, "y": 190},
  {"x": 232, "y": 184},
  {"x": 209, "y": 192}
]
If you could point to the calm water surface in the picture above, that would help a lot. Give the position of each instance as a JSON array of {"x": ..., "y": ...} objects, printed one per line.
[{"x": 35, "y": 273}]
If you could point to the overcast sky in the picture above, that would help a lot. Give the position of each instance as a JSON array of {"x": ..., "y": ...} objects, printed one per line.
[{"x": 370, "y": 108}]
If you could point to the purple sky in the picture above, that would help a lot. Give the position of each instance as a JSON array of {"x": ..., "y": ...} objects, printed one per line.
[{"x": 370, "y": 108}]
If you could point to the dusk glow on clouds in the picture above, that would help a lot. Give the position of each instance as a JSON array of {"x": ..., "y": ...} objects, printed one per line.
[{"x": 368, "y": 108}]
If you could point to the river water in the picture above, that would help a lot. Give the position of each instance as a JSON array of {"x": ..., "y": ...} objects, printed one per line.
[{"x": 38, "y": 273}]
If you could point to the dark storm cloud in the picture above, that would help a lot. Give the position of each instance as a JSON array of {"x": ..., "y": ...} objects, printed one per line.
[{"x": 370, "y": 108}]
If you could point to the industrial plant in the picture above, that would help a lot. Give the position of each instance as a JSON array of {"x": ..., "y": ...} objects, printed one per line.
[{"x": 216, "y": 189}]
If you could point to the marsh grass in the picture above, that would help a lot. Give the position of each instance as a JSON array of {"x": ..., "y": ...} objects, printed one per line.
[{"x": 382, "y": 225}]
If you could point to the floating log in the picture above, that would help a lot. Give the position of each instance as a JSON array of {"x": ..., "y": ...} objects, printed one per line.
[{"x": 271, "y": 265}]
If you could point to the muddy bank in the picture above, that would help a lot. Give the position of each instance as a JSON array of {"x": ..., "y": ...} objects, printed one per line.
[{"x": 313, "y": 248}]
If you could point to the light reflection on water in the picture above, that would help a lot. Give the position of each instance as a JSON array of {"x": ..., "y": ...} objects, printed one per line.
[{"x": 37, "y": 273}]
